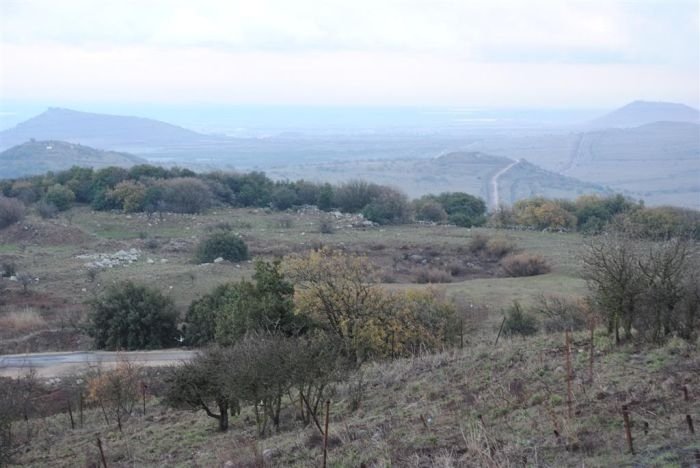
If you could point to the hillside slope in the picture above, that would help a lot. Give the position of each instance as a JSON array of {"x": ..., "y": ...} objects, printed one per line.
[
  {"x": 657, "y": 162},
  {"x": 99, "y": 131},
  {"x": 38, "y": 157},
  {"x": 484, "y": 175}
]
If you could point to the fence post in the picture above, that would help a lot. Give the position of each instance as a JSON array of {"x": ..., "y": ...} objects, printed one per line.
[
  {"x": 325, "y": 434},
  {"x": 102, "y": 453},
  {"x": 628, "y": 430},
  {"x": 569, "y": 391}
]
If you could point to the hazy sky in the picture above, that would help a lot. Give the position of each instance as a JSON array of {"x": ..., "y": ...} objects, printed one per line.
[{"x": 558, "y": 53}]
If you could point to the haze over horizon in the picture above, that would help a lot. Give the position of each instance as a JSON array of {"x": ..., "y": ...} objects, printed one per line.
[{"x": 121, "y": 57}]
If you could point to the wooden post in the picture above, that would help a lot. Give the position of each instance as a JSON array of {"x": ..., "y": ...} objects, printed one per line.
[
  {"x": 500, "y": 329},
  {"x": 689, "y": 420},
  {"x": 70, "y": 413},
  {"x": 590, "y": 357},
  {"x": 102, "y": 453},
  {"x": 461, "y": 333},
  {"x": 143, "y": 392},
  {"x": 685, "y": 392},
  {"x": 628, "y": 430},
  {"x": 569, "y": 391},
  {"x": 325, "y": 434},
  {"x": 81, "y": 409}
]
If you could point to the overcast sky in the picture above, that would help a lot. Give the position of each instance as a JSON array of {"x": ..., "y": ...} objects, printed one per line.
[{"x": 558, "y": 53}]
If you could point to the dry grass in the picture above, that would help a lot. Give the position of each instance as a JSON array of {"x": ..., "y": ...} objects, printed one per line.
[{"x": 21, "y": 321}]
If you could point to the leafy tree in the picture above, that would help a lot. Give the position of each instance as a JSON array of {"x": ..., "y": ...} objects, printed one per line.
[
  {"x": 131, "y": 316},
  {"x": 429, "y": 209},
  {"x": 325, "y": 197},
  {"x": 226, "y": 245},
  {"x": 389, "y": 207},
  {"x": 204, "y": 383},
  {"x": 283, "y": 198},
  {"x": 116, "y": 391},
  {"x": 184, "y": 195},
  {"x": 236, "y": 309},
  {"x": 129, "y": 195},
  {"x": 463, "y": 209},
  {"x": 59, "y": 196}
]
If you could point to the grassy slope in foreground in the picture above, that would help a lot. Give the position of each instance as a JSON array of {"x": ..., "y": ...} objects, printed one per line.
[{"x": 481, "y": 406}]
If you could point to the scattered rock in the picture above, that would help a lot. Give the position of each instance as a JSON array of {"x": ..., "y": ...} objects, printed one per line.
[
  {"x": 269, "y": 454},
  {"x": 218, "y": 259}
]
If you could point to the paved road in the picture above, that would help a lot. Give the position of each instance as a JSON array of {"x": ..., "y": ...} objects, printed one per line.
[{"x": 57, "y": 364}]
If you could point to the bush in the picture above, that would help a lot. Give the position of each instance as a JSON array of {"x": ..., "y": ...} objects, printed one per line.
[
  {"x": 11, "y": 211},
  {"x": 430, "y": 210},
  {"x": 560, "y": 314},
  {"x": 518, "y": 323},
  {"x": 389, "y": 207},
  {"x": 61, "y": 197},
  {"x": 432, "y": 275},
  {"x": 499, "y": 248},
  {"x": 226, "y": 245},
  {"x": 46, "y": 210},
  {"x": 131, "y": 316},
  {"x": 325, "y": 225},
  {"x": 477, "y": 243},
  {"x": 524, "y": 265},
  {"x": 180, "y": 195},
  {"x": 9, "y": 269}
]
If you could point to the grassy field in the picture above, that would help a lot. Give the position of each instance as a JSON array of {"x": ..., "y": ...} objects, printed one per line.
[
  {"x": 484, "y": 405},
  {"x": 48, "y": 251}
]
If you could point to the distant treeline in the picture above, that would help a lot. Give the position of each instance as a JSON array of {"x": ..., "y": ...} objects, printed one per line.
[{"x": 151, "y": 189}]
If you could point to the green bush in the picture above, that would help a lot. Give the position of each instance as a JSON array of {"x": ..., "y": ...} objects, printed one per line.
[
  {"x": 226, "y": 245},
  {"x": 59, "y": 196},
  {"x": 131, "y": 316},
  {"x": 519, "y": 323}
]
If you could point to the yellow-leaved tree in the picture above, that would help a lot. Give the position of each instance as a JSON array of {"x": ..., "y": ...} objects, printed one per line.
[{"x": 340, "y": 293}]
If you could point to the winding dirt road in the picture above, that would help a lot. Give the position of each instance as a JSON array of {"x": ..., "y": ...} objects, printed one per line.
[
  {"x": 494, "y": 195},
  {"x": 61, "y": 364}
]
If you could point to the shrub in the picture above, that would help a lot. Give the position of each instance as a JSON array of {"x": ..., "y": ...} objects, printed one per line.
[
  {"x": 499, "y": 248},
  {"x": 477, "y": 243},
  {"x": 353, "y": 196},
  {"x": 180, "y": 195},
  {"x": 430, "y": 210},
  {"x": 325, "y": 225},
  {"x": 519, "y": 323},
  {"x": 432, "y": 275},
  {"x": 389, "y": 207},
  {"x": 226, "y": 245},
  {"x": 46, "y": 210},
  {"x": 283, "y": 198},
  {"x": 9, "y": 269},
  {"x": 61, "y": 197},
  {"x": 524, "y": 265},
  {"x": 463, "y": 209},
  {"x": 11, "y": 211},
  {"x": 131, "y": 316},
  {"x": 560, "y": 313}
]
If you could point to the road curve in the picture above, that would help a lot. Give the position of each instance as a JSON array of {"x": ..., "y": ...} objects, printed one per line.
[
  {"x": 65, "y": 363},
  {"x": 493, "y": 185}
]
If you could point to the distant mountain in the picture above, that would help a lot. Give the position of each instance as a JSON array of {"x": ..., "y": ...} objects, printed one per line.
[
  {"x": 38, "y": 157},
  {"x": 496, "y": 179},
  {"x": 639, "y": 113},
  {"x": 114, "y": 132}
]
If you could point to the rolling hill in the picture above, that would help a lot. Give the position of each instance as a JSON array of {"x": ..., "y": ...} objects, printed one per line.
[
  {"x": 113, "y": 132},
  {"x": 639, "y": 113},
  {"x": 497, "y": 179},
  {"x": 658, "y": 162},
  {"x": 38, "y": 157}
]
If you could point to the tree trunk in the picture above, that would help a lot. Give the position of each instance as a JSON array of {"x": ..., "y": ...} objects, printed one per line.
[{"x": 223, "y": 415}]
